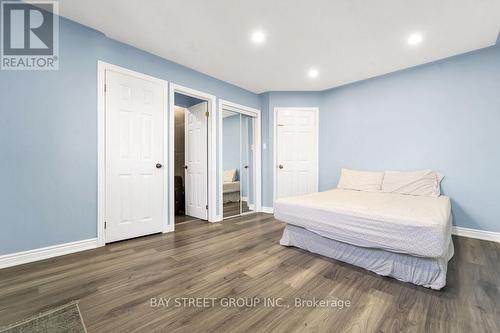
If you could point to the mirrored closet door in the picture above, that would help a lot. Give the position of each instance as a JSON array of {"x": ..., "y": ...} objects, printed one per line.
[
  {"x": 246, "y": 129},
  {"x": 238, "y": 186}
]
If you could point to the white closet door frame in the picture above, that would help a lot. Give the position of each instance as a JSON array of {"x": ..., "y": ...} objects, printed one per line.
[
  {"x": 211, "y": 146},
  {"x": 275, "y": 135},
  {"x": 226, "y": 105},
  {"x": 102, "y": 67}
]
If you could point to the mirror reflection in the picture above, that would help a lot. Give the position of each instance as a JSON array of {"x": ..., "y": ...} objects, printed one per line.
[
  {"x": 247, "y": 202},
  {"x": 231, "y": 186},
  {"x": 238, "y": 164}
]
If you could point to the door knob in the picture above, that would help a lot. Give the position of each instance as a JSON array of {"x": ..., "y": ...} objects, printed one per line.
[
  {"x": 158, "y": 165},
  {"x": 246, "y": 166},
  {"x": 185, "y": 167},
  {"x": 280, "y": 166}
]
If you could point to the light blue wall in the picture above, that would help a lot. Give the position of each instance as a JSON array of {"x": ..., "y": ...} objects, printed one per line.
[
  {"x": 246, "y": 177},
  {"x": 444, "y": 116},
  {"x": 237, "y": 136},
  {"x": 269, "y": 101},
  {"x": 231, "y": 142},
  {"x": 48, "y": 137}
]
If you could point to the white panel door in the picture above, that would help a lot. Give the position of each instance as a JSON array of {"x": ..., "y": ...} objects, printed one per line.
[
  {"x": 296, "y": 152},
  {"x": 196, "y": 161},
  {"x": 134, "y": 156}
]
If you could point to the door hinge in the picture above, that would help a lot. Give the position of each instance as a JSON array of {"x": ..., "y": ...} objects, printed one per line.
[
  {"x": 105, "y": 225},
  {"x": 207, "y": 114},
  {"x": 105, "y": 88},
  {"x": 206, "y": 207}
]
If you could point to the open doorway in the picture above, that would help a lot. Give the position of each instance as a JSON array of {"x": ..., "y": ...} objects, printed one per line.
[
  {"x": 190, "y": 158},
  {"x": 131, "y": 145}
]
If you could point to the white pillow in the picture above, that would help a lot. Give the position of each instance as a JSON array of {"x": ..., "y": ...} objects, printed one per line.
[
  {"x": 422, "y": 182},
  {"x": 360, "y": 180},
  {"x": 229, "y": 175}
]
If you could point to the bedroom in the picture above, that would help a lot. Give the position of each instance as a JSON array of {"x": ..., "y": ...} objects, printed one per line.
[{"x": 336, "y": 97}]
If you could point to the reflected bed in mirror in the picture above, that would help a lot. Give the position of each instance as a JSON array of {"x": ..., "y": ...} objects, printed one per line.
[
  {"x": 231, "y": 193},
  {"x": 237, "y": 149}
]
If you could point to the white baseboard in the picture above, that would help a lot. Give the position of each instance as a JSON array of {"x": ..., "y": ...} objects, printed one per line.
[
  {"x": 24, "y": 257},
  {"x": 268, "y": 210},
  {"x": 217, "y": 219},
  {"x": 478, "y": 234}
]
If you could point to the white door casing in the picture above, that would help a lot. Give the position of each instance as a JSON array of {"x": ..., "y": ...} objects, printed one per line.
[
  {"x": 296, "y": 151},
  {"x": 134, "y": 145},
  {"x": 257, "y": 151},
  {"x": 196, "y": 186}
]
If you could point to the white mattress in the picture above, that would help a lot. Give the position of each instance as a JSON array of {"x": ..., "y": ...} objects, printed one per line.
[
  {"x": 228, "y": 187},
  {"x": 427, "y": 272},
  {"x": 415, "y": 225}
]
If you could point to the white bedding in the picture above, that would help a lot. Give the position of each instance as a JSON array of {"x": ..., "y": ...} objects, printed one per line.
[
  {"x": 229, "y": 187},
  {"x": 415, "y": 225},
  {"x": 427, "y": 272}
]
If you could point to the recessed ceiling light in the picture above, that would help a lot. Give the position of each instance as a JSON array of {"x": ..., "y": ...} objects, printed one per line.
[
  {"x": 415, "y": 39},
  {"x": 258, "y": 37},
  {"x": 312, "y": 73}
]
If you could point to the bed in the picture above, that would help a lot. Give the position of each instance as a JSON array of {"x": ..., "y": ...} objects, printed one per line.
[
  {"x": 231, "y": 191},
  {"x": 407, "y": 237},
  {"x": 230, "y": 186}
]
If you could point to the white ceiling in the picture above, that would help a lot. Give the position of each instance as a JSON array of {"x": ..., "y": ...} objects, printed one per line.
[{"x": 347, "y": 40}]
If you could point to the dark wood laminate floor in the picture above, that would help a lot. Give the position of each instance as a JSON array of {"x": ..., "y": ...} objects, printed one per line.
[
  {"x": 241, "y": 257},
  {"x": 232, "y": 209},
  {"x": 183, "y": 219}
]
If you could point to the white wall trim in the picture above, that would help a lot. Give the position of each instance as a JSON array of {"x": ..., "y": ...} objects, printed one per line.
[
  {"x": 238, "y": 108},
  {"x": 102, "y": 67},
  {"x": 101, "y": 167},
  {"x": 211, "y": 147},
  {"x": 14, "y": 259},
  {"x": 275, "y": 127},
  {"x": 475, "y": 233},
  {"x": 268, "y": 210},
  {"x": 226, "y": 105}
]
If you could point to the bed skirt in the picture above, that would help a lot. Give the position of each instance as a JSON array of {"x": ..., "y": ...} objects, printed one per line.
[
  {"x": 231, "y": 197},
  {"x": 427, "y": 272}
]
